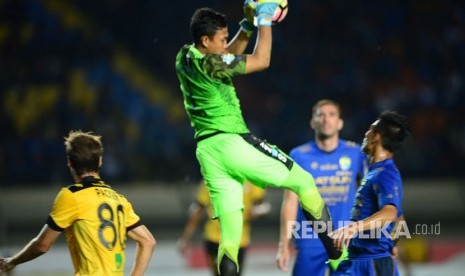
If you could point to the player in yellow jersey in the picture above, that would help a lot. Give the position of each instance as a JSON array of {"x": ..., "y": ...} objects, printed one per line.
[
  {"x": 95, "y": 218},
  {"x": 254, "y": 206}
]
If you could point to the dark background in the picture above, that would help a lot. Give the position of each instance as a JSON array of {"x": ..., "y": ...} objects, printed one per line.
[{"x": 108, "y": 66}]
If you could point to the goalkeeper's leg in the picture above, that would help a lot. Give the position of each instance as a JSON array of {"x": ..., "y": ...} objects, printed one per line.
[
  {"x": 231, "y": 232},
  {"x": 302, "y": 183}
]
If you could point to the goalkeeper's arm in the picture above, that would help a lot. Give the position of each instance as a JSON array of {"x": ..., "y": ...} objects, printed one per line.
[
  {"x": 239, "y": 43},
  {"x": 260, "y": 59}
]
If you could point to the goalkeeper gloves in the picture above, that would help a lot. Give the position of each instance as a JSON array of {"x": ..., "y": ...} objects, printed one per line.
[
  {"x": 265, "y": 10},
  {"x": 246, "y": 24}
]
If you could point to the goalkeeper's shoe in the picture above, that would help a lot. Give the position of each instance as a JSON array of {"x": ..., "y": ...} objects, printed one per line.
[{"x": 334, "y": 263}]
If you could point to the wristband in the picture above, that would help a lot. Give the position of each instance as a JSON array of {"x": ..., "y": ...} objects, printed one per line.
[{"x": 247, "y": 27}]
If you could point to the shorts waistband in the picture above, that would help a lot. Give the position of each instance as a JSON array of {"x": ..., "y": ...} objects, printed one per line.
[
  {"x": 206, "y": 136},
  {"x": 203, "y": 137}
]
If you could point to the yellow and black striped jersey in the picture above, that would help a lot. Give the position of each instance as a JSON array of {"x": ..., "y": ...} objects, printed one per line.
[{"x": 95, "y": 219}]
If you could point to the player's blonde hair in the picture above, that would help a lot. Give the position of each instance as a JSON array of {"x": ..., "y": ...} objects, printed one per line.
[
  {"x": 84, "y": 150},
  {"x": 323, "y": 102}
]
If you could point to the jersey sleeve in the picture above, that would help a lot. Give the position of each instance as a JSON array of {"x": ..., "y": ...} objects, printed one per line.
[
  {"x": 225, "y": 66},
  {"x": 132, "y": 219},
  {"x": 203, "y": 198},
  {"x": 387, "y": 191},
  {"x": 64, "y": 211}
]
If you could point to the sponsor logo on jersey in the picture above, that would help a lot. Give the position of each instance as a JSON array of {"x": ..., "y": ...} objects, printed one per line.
[
  {"x": 344, "y": 163},
  {"x": 273, "y": 152},
  {"x": 228, "y": 58},
  {"x": 329, "y": 167}
]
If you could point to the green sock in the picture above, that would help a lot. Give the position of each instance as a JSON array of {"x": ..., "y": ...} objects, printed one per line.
[
  {"x": 231, "y": 233},
  {"x": 334, "y": 263},
  {"x": 302, "y": 183}
]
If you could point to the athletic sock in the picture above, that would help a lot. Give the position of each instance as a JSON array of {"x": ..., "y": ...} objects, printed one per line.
[
  {"x": 334, "y": 263},
  {"x": 231, "y": 232},
  {"x": 313, "y": 205}
]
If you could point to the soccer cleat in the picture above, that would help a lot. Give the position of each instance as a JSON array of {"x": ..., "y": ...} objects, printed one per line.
[
  {"x": 334, "y": 263},
  {"x": 228, "y": 267}
]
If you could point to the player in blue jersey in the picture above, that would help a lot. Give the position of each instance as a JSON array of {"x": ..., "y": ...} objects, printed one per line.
[
  {"x": 377, "y": 204},
  {"x": 337, "y": 166}
]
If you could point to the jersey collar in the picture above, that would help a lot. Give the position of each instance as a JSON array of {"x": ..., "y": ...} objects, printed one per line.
[
  {"x": 383, "y": 163},
  {"x": 91, "y": 180},
  {"x": 316, "y": 147},
  {"x": 195, "y": 52}
]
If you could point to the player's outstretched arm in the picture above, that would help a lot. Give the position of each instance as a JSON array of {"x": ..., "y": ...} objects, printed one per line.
[
  {"x": 145, "y": 246},
  {"x": 35, "y": 248},
  {"x": 342, "y": 236},
  {"x": 288, "y": 215},
  {"x": 399, "y": 223},
  {"x": 196, "y": 213},
  {"x": 260, "y": 59},
  {"x": 239, "y": 43}
]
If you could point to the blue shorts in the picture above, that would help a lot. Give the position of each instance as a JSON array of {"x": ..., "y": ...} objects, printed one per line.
[
  {"x": 311, "y": 261},
  {"x": 384, "y": 266}
]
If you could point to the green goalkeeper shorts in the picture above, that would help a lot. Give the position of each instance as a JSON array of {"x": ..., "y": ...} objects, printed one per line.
[{"x": 226, "y": 160}]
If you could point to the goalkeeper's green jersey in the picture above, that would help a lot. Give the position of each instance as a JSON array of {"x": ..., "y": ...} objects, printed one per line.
[{"x": 209, "y": 95}]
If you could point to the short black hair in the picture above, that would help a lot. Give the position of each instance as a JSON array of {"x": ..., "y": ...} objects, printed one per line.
[
  {"x": 393, "y": 128},
  {"x": 206, "y": 21}
]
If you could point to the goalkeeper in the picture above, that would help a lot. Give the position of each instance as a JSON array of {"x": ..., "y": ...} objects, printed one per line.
[{"x": 226, "y": 150}]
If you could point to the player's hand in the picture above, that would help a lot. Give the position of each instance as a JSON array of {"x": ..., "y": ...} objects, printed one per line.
[
  {"x": 5, "y": 265},
  {"x": 249, "y": 10},
  {"x": 342, "y": 236},
  {"x": 247, "y": 24},
  {"x": 395, "y": 252},
  {"x": 265, "y": 10},
  {"x": 259, "y": 210},
  {"x": 183, "y": 246},
  {"x": 282, "y": 258}
]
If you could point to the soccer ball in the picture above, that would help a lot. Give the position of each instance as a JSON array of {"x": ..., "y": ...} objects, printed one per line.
[{"x": 279, "y": 14}]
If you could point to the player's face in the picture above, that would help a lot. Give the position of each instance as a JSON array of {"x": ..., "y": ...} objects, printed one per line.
[
  {"x": 368, "y": 143},
  {"x": 218, "y": 43},
  {"x": 326, "y": 121}
]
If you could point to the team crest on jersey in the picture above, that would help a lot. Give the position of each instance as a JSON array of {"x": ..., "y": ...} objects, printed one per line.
[
  {"x": 345, "y": 162},
  {"x": 228, "y": 58},
  {"x": 314, "y": 165}
]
